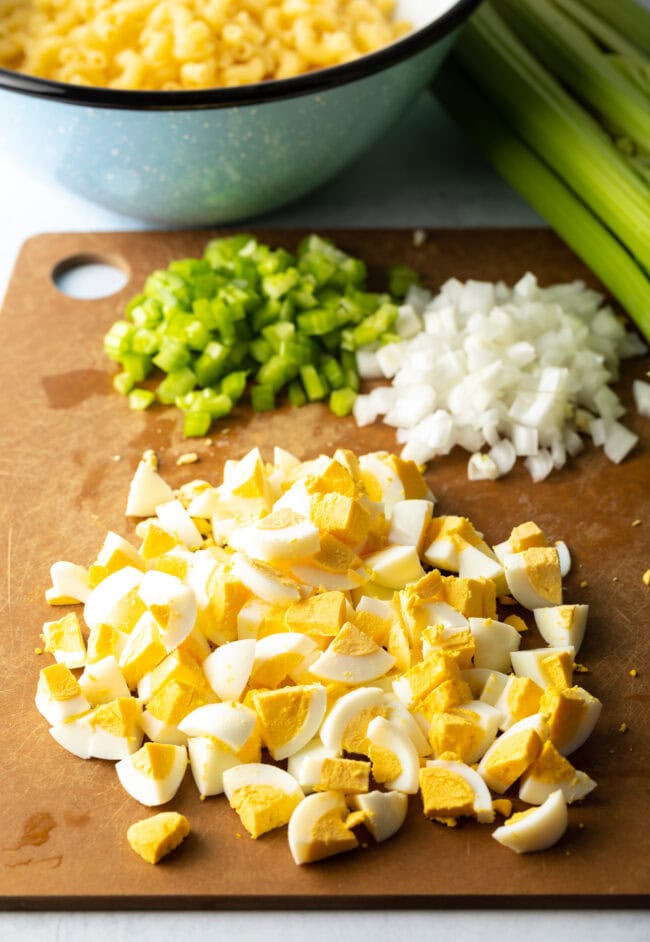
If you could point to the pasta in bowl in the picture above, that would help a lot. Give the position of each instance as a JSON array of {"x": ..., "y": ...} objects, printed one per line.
[{"x": 188, "y": 112}]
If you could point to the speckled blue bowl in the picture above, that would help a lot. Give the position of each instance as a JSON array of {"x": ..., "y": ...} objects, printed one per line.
[{"x": 224, "y": 154}]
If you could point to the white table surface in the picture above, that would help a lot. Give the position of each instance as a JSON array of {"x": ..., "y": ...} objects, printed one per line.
[{"x": 423, "y": 174}]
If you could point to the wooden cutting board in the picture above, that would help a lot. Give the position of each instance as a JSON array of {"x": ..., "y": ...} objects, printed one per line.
[{"x": 69, "y": 446}]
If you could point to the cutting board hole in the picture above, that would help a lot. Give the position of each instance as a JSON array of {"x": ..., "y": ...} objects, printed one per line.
[{"x": 89, "y": 277}]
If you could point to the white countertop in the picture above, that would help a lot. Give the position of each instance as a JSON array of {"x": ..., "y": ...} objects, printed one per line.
[{"x": 423, "y": 174}]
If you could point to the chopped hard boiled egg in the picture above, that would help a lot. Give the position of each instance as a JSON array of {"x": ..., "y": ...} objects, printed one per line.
[
  {"x": 153, "y": 774},
  {"x": 313, "y": 629},
  {"x": 536, "y": 828},
  {"x": 155, "y": 837}
]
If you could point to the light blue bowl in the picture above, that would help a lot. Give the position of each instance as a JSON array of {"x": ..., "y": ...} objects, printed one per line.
[{"x": 220, "y": 155}]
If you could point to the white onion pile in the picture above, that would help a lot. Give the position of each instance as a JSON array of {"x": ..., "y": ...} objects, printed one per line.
[{"x": 503, "y": 372}]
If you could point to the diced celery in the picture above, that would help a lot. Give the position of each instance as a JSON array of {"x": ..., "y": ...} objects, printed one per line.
[
  {"x": 342, "y": 400},
  {"x": 196, "y": 424},
  {"x": 175, "y": 384},
  {"x": 141, "y": 399},
  {"x": 262, "y": 398},
  {"x": 315, "y": 386}
]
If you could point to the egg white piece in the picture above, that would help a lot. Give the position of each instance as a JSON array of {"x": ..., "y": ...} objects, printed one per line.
[
  {"x": 264, "y": 582},
  {"x": 383, "y": 733},
  {"x": 395, "y": 566},
  {"x": 441, "y": 613},
  {"x": 229, "y": 667},
  {"x": 75, "y": 735},
  {"x": 352, "y": 669},
  {"x": 495, "y": 640},
  {"x": 521, "y": 583},
  {"x": 346, "y": 709},
  {"x": 385, "y": 812},
  {"x": 231, "y": 722},
  {"x": 536, "y": 787},
  {"x": 115, "y": 546},
  {"x": 540, "y": 827},
  {"x": 485, "y": 684},
  {"x": 162, "y": 591},
  {"x": 529, "y": 663},
  {"x": 385, "y": 477},
  {"x": 110, "y": 601},
  {"x": 474, "y": 564},
  {"x": 562, "y": 625},
  {"x": 403, "y": 719},
  {"x": 158, "y": 730},
  {"x": 174, "y": 518},
  {"x": 278, "y": 537},
  {"x": 58, "y": 711},
  {"x": 585, "y": 727},
  {"x": 209, "y": 759},
  {"x": 154, "y": 773},
  {"x": 69, "y": 581},
  {"x": 251, "y": 774},
  {"x": 303, "y": 832},
  {"x": 408, "y": 522},
  {"x": 146, "y": 491},
  {"x": 482, "y": 804},
  {"x": 564, "y": 556},
  {"x": 280, "y": 646},
  {"x": 301, "y": 767},
  {"x": 103, "y": 681}
]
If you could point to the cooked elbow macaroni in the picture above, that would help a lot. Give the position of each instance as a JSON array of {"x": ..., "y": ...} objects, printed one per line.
[{"x": 184, "y": 44}]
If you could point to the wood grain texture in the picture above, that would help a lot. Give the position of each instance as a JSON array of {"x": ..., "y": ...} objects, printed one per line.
[{"x": 69, "y": 446}]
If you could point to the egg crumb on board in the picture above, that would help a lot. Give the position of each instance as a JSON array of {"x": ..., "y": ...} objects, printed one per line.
[
  {"x": 155, "y": 837},
  {"x": 314, "y": 642}
]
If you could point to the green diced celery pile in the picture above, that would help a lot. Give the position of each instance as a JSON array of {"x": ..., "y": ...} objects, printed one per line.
[{"x": 251, "y": 320}]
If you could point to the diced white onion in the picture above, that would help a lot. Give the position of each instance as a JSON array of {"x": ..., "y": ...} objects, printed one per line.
[{"x": 521, "y": 371}]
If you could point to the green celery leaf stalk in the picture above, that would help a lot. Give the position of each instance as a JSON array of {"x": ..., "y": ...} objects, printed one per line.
[
  {"x": 546, "y": 192},
  {"x": 626, "y": 16},
  {"x": 569, "y": 53},
  {"x": 557, "y": 128},
  {"x": 601, "y": 30}
]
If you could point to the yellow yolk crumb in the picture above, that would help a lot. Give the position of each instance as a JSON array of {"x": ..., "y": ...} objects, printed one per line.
[
  {"x": 636, "y": 523},
  {"x": 503, "y": 806},
  {"x": 143, "y": 651},
  {"x": 385, "y": 764},
  {"x": 263, "y": 808},
  {"x": 353, "y": 642},
  {"x": 645, "y": 578},
  {"x": 584, "y": 584},
  {"x": 461, "y": 645},
  {"x": 456, "y": 731},
  {"x": 57, "y": 682},
  {"x": 282, "y": 713},
  {"x": 563, "y": 710},
  {"x": 633, "y": 672},
  {"x": 525, "y": 536},
  {"x": 155, "y": 760},
  {"x": 153, "y": 838},
  {"x": 331, "y": 835},
  {"x": 516, "y": 622},
  {"x": 623, "y": 728},
  {"x": 510, "y": 758},
  {"x": 64, "y": 637},
  {"x": 120, "y": 717},
  {"x": 473, "y": 598},
  {"x": 523, "y": 697},
  {"x": 351, "y": 776},
  {"x": 173, "y": 701},
  {"x": 550, "y": 766},
  {"x": 558, "y": 669},
  {"x": 103, "y": 641},
  {"x": 321, "y": 614},
  {"x": 156, "y": 541},
  {"x": 445, "y": 794},
  {"x": 374, "y": 626},
  {"x": 355, "y": 735},
  {"x": 543, "y": 571},
  {"x": 342, "y": 517}
]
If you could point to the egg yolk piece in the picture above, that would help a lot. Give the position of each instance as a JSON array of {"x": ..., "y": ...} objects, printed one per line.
[
  {"x": 153, "y": 838},
  {"x": 317, "y": 828}
]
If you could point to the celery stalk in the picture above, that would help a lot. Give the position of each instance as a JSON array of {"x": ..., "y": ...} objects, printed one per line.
[
  {"x": 601, "y": 30},
  {"x": 546, "y": 192},
  {"x": 561, "y": 132},
  {"x": 627, "y": 16},
  {"x": 569, "y": 53}
]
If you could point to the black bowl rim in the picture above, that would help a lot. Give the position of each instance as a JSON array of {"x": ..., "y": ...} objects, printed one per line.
[{"x": 245, "y": 95}]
